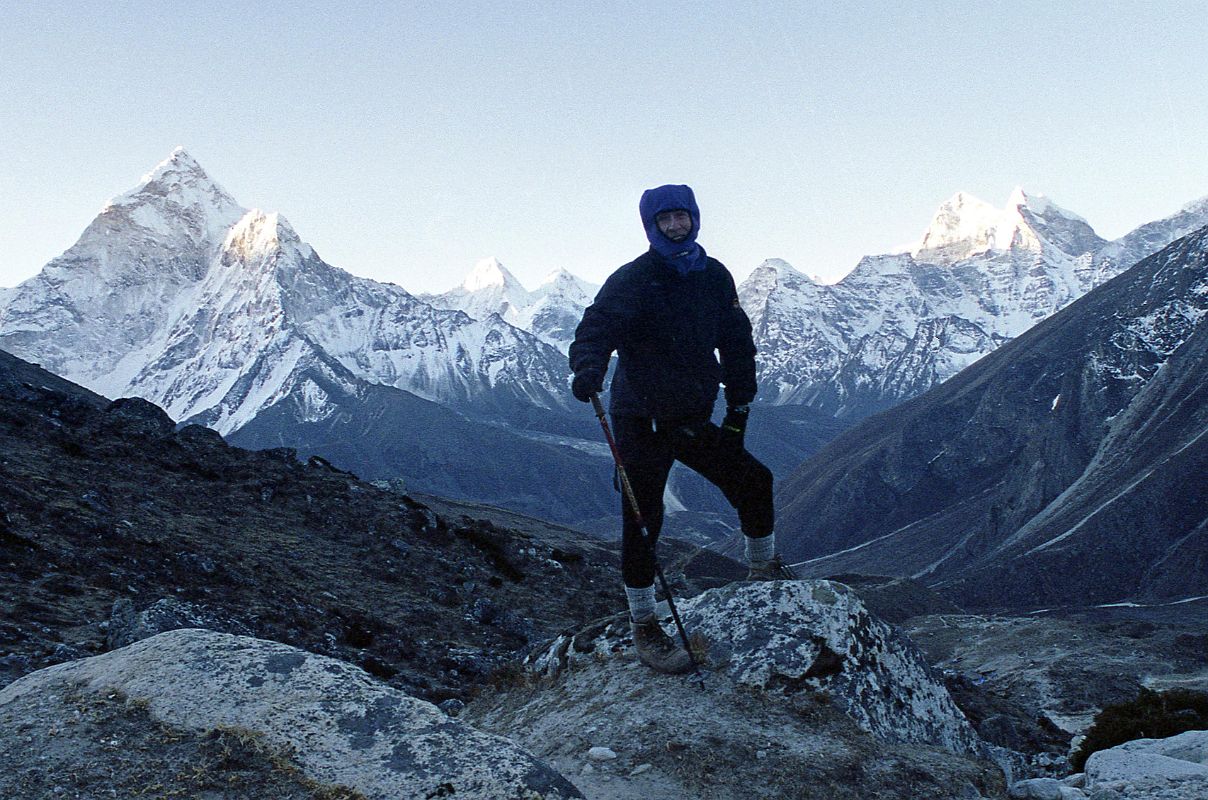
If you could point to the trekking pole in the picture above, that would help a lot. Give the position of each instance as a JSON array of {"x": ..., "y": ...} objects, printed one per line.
[{"x": 646, "y": 537}]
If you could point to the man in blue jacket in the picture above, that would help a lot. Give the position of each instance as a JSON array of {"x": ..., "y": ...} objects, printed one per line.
[{"x": 672, "y": 317}]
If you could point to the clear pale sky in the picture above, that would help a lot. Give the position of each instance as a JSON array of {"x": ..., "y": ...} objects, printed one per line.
[{"x": 405, "y": 141}]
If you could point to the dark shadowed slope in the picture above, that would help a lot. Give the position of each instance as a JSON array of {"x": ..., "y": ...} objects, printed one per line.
[
  {"x": 107, "y": 505},
  {"x": 1067, "y": 466}
]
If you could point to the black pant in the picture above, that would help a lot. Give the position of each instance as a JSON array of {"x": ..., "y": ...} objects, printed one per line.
[{"x": 648, "y": 451}]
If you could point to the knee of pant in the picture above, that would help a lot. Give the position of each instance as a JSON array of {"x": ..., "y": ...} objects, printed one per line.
[
  {"x": 759, "y": 478},
  {"x": 638, "y": 575}
]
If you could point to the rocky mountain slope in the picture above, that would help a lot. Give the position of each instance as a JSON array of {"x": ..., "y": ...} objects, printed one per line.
[
  {"x": 900, "y": 324},
  {"x": 1066, "y": 467},
  {"x": 104, "y": 506},
  {"x": 393, "y": 435}
]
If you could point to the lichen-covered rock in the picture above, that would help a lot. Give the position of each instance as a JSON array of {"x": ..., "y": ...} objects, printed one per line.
[
  {"x": 788, "y": 637},
  {"x": 1189, "y": 746},
  {"x": 344, "y": 727},
  {"x": 773, "y": 717},
  {"x": 1175, "y": 768},
  {"x": 817, "y": 635}
]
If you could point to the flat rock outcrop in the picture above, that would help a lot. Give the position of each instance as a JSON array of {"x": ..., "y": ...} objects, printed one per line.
[
  {"x": 342, "y": 726},
  {"x": 805, "y": 691},
  {"x": 1174, "y": 768}
]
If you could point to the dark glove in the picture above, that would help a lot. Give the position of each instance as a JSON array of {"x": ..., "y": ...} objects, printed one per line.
[
  {"x": 585, "y": 384},
  {"x": 734, "y": 426}
]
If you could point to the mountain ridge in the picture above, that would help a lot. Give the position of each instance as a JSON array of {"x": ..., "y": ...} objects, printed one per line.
[
  {"x": 898, "y": 324},
  {"x": 222, "y": 314},
  {"x": 993, "y": 486},
  {"x": 175, "y": 273}
]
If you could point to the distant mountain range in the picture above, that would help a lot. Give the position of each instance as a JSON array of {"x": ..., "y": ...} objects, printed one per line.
[
  {"x": 225, "y": 316},
  {"x": 551, "y": 311},
  {"x": 177, "y": 294},
  {"x": 898, "y": 324},
  {"x": 902, "y": 323},
  {"x": 1068, "y": 466}
]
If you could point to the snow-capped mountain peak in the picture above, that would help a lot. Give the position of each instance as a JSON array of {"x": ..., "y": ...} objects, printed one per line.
[
  {"x": 259, "y": 234},
  {"x": 563, "y": 284},
  {"x": 780, "y": 267},
  {"x": 1196, "y": 206},
  {"x": 772, "y": 273},
  {"x": 489, "y": 273},
  {"x": 780, "y": 300},
  {"x": 177, "y": 294},
  {"x": 899, "y": 323},
  {"x": 966, "y": 226},
  {"x": 180, "y": 178},
  {"x": 176, "y": 190},
  {"x": 488, "y": 289},
  {"x": 1039, "y": 205},
  {"x": 550, "y": 312}
]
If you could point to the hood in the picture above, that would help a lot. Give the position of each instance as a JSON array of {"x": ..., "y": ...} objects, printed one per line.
[{"x": 685, "y": 256}]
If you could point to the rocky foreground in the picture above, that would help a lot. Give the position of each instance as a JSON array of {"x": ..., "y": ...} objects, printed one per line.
[
  {"x": 181, "y": 618},
  {"x": 342, "y": 728},
  {"x": 807, "y": 696},
  {"x": 803, "y": 694},
  {"x": 107, "y": 508}
]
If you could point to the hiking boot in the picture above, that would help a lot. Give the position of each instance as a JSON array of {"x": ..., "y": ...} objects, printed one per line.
[
  {"x": 657, "y": 650},
  {"x": 773, "y": 570}
]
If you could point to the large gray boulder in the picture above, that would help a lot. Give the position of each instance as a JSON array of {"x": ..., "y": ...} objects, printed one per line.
[
  {"x": 1175, "y": 768},
  {"x": 817, "y": 635},
  {"x": 806, "y": 695},
  {"x": 789, "y": 637},
  {"x": 343, "y": 726}
]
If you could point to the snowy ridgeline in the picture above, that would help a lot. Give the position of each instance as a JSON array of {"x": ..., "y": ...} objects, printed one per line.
[
  {"x": 899, "y": 324},
  {"x": 551, "y": 311},
  {"x": 178, "y": 294}
]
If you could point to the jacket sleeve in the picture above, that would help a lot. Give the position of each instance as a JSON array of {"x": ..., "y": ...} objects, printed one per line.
[
  {"x": 736, "y": 347},
  {"x": 603, "y": 323}
]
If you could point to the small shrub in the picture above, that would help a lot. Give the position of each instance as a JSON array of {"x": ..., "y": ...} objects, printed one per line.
[{"x": 1153, "y": 715}]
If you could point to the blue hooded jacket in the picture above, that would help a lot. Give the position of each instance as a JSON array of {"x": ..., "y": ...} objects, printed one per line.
[
  {"x": 688, "y": 255},
  {"x": 673, "y": 318}
]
